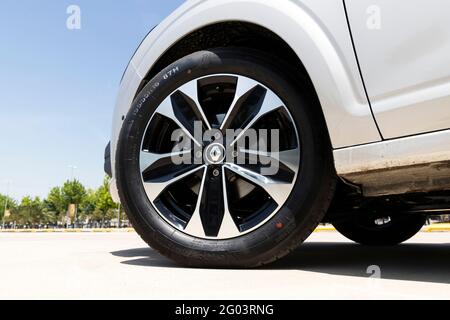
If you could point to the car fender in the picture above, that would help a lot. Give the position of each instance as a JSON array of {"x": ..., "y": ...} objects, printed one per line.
[{"x": 317, "y": 31}]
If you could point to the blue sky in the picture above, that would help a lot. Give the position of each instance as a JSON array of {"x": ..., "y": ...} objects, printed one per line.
[{"x": 58, "y": 86}]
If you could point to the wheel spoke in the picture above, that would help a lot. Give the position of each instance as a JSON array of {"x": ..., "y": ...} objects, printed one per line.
[
  {"x": 166, "y": 109},
  {"x": 271, "y": 103},
  {"x": 195, "y": 225},
  {"x": 155, "y": 188},
  {"x": 148, "y": 159},
  {"x": 290, "y": 158},
  {"x": 243, "y": 86},
  {"x": 212, "y": 205},
  {"x": 212, "y": 217},
  {"x": 228, "y": 228},
  {"x": 190, "y": 90},
  {"x": 277, "y": 190}
]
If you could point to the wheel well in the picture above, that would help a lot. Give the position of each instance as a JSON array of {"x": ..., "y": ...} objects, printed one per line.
[
  {"x": 233, "y": 34},
  {"x": 244, "y": 35}
]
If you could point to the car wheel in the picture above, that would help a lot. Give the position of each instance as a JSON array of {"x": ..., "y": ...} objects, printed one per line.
[
  {"x": 219, "y": 199},
  {"x": 376, "y": 230}
]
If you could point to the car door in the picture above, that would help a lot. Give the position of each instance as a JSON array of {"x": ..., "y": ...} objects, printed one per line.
[{"x": 403, "y": 47}]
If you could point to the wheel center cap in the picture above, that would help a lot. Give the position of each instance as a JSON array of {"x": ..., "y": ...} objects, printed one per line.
[{"x": 215, "y": 153}]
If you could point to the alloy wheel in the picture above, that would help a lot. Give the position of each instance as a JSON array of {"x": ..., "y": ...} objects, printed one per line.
[{"x": 218, "y": 184}]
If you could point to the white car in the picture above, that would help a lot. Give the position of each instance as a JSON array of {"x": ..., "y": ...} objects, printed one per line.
[{"x": 240, "y": 125}]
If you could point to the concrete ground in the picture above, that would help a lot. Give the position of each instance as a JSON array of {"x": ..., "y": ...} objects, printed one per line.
[{"x": 121, "y": 266}]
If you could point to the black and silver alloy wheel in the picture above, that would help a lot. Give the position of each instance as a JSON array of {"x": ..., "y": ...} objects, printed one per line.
[
  {"x": 213, "y": 195},
  {"x": 247, "y": 189}
]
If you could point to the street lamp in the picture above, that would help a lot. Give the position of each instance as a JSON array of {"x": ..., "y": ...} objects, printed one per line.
[{"x": 72, "y": 171}]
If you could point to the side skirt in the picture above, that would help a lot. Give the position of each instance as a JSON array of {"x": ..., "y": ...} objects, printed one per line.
[{"x": 407, "y": 165}]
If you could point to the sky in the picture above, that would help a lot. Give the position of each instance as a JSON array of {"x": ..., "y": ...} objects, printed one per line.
[{"x": 58, "y": 86}]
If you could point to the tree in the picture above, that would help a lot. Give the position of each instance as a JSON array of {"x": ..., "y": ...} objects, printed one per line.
[
  {"x": 73, "y": 192},
  {"x": 6, "y": 203},
  {"x": 55, "y": 206},
  {"x": 104, "y": 206},
  {"x": 87, "y": 206},
  {"x": 30, "y": 211},
  {"x": 94, "y": 204}
]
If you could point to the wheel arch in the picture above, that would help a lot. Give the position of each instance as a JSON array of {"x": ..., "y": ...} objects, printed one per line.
[
  {"x": 294, "y": 33},
  {"x": 236, "y": 34}
]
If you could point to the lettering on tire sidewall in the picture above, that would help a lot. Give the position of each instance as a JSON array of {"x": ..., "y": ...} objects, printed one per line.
[{"x": 166, "y": 77}]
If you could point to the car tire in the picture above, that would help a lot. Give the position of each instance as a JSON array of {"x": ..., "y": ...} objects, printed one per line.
[
  {"x": 305, "y": 206},
  {"x": 396, "y": 229}
]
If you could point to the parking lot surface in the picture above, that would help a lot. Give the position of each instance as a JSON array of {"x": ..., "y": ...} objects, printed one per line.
[{"x": 121, "y": 266}]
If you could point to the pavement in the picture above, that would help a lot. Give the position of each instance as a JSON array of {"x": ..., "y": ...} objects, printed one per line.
[
  {"x": 118, "y": 265},
  {"x": 436, "y": 227}
]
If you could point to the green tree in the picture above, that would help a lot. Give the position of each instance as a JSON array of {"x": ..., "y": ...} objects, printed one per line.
[
  {"x": 104, "y": 204},
  {"x": 6, "y": 203},
  {"x": 30, "y": 211},
  {"x": 55, "y": 206},
  {"x": 87, "y": 206},
  {"x": 73, "y": 192},
  {"x": 96, "y": 205}
]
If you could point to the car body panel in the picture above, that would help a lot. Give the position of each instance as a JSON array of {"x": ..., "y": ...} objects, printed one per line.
[
  {"x": 385, "y": 155},
  {"x": 409, "y": 96},
  {"x": 405, "y": 62},
  {"x": 419, "y": 163}
]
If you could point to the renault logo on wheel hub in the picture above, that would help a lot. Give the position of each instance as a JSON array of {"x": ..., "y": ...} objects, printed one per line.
[{"x": 215, "y": 153}]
